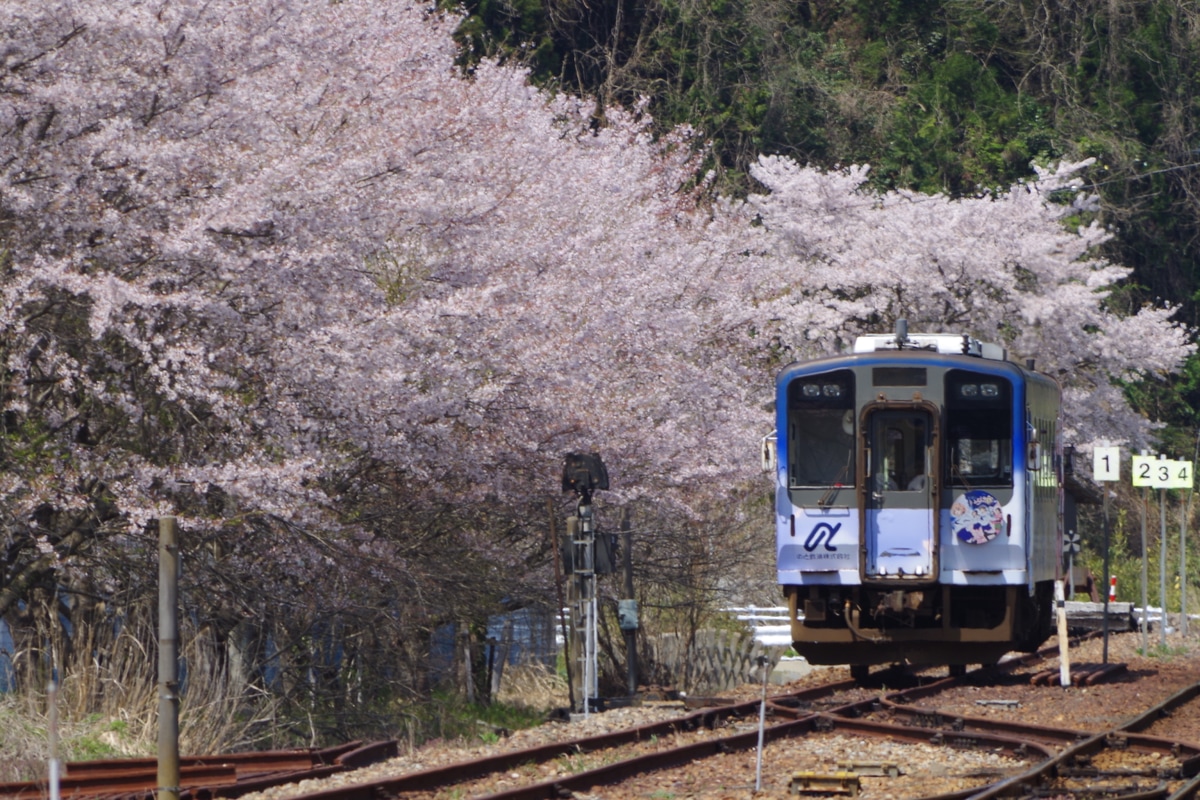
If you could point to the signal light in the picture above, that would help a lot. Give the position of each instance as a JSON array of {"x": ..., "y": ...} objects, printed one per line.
[{"x": 583, "y": 473}]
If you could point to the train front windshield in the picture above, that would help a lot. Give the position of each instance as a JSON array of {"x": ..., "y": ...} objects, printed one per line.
[
  {"x": 979, "y": 429},
  {"x": 821, "y": 431}
]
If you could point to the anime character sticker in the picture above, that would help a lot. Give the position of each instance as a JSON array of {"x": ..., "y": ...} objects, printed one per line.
[{"x": 976, "y": 517}]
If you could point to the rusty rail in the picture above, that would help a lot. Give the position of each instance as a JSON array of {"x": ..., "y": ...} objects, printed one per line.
[{"x": 203, "y": 777}]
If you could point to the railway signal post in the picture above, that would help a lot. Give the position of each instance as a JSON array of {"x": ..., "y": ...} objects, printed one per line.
[
  {"x": 1071, "y": 547},
  {"x": 584, "y": 473}
]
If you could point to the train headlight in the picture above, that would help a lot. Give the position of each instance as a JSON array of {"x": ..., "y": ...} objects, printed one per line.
[
  {"x": 832, "y": 390},
  {"x": 969, "y": 390},
  {"x": 989, "y": 390},
  {"x": 811, "y": 390}
]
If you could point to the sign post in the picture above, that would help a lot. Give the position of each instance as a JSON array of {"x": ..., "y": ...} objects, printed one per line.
[
  {"x": 1181, "y": 478},
  {"x": 1184, "y": 506},
  {"x": 1143, "y": 476},
  {"x": 1162, "y": 565},
  {"x": 1106, "y": 466},
  {"x": 1161, "y": 474}
]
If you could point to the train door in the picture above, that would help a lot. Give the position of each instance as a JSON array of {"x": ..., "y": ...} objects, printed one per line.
[{"x": 899, "y": 496}]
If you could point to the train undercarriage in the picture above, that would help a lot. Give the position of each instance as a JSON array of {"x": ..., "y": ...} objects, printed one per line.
[{"x": 927, "y": 625}]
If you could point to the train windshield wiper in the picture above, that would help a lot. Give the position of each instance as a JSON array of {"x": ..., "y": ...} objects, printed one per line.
[
  {"x": 830, "y": 494},
  {"x": 832, "y": 490}
]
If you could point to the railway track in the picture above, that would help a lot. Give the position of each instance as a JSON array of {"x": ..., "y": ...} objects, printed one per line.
[
  {"x": 228, "y": 775},
  {"x": 835, "y": 739}
]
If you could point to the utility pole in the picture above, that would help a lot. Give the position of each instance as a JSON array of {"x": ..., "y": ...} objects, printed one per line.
[{"x": 168, "y": 660}]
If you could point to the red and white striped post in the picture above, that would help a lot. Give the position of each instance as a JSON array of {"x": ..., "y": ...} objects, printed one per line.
[{"x": 1112, "y": 589}]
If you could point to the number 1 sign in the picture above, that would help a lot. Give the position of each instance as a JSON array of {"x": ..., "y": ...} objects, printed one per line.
[{"x": 1106, "y": 464}]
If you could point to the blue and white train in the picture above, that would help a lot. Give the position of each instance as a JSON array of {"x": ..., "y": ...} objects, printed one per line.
[{"x": 918, "y": 502}]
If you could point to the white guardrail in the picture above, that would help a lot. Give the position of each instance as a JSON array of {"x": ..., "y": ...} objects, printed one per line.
[{"x": 770, "y": 624}]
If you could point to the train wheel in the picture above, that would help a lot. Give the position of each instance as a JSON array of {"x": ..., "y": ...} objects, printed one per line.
[{"x": 859, "y": 672}]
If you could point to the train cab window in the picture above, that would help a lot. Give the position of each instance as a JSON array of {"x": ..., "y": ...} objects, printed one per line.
[
  {"x": 978, "y": 430},
  {"x": 900, "y": 444},
  {"x": 821, "y": 424}
]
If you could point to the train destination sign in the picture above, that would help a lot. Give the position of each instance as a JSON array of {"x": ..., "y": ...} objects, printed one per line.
[{"x": 1161, "y": 473}]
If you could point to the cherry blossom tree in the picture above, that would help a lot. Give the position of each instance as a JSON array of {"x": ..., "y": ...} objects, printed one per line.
[
  {"x": 267, "y": 267},
  {"x": 1005, "y": 268}
]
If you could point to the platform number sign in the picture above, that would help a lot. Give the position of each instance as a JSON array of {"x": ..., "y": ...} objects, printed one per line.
[
  {"x": 1161, "y": 473},
  {"x": 1106, "y": 464}
]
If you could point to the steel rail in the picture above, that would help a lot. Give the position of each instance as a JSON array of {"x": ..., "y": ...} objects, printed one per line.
[
  {"x": 789, "y": 704},
  {"x": 817, "y": 723},
  {"x": 117, "y": 783},
  {"x": 202, "y": 777},
  {"x": 805, "y": 723},
  {"x": 464, "y": 771},
  {"x": 1120, "y": 736},
  {"x": 1021, "y": 745},
  {"x": 256, "y": 771}
]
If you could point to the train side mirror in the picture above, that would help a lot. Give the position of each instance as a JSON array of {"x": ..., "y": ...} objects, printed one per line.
[{"x": 769, "y": 451}]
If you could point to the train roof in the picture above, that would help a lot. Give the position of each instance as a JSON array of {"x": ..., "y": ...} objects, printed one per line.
[
  {"x": 941, "y": 343},
  {"x": 902, "y": 344},
  {"x": 930, "y": 352}
]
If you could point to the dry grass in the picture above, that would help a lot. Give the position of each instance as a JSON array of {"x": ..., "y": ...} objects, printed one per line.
[
  {"x": 532, "y": 686},
  {"x": 24, "y": 750},
  {"x": 107, "y": 701}
]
